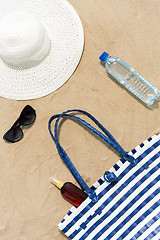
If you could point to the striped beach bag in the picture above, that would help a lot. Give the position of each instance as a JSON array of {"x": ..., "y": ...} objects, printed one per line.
[{"x": 125, "y": 202}]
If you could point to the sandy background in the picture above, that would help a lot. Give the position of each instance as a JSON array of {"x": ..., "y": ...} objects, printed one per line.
[{"x": 30, "y": 207}]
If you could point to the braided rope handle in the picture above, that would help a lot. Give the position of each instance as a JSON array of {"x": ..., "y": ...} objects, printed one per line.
[{"x": 107, "y": 137}]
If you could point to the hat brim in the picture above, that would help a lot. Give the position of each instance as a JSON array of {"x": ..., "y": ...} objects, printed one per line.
[{"x": 67, "y": 41}]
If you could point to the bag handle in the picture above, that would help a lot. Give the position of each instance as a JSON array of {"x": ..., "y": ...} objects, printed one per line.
[{"x": 107, "y": 137}]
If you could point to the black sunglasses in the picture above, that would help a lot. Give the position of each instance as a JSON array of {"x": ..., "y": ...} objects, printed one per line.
[{"x": 26, "y": 118}]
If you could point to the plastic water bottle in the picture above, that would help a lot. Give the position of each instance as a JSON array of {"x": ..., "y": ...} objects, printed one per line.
[{"x": 131, "y": 79}]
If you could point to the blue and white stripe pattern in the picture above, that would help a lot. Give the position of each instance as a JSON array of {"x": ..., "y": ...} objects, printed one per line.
[{"x": 128, "y": 208}]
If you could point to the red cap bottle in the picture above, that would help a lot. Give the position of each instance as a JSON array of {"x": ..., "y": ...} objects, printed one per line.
[{"x": 70, "y": 191}]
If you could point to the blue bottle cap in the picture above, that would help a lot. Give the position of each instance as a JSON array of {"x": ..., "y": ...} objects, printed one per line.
[{"x": 104, "y": 56}]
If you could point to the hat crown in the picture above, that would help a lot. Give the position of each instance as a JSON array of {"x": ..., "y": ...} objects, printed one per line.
[{"x": 24, "y": 40}]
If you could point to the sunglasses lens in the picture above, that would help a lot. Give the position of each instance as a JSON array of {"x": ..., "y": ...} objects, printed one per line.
[
  {"x": 13, "y": 135},
  {"x": 27, "y": 116}
]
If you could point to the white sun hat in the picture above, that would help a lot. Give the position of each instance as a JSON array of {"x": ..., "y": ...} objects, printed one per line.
[{"x": 41, "y": 43}]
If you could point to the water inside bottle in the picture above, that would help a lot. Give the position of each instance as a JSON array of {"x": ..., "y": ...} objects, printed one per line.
[
  {"x": 118, "y": 70},
  {"x": 133, "y": 82}
]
